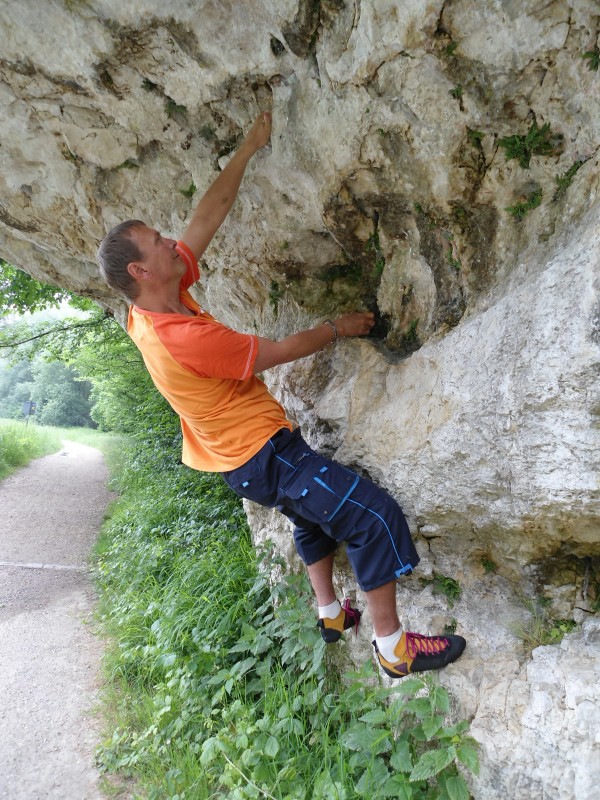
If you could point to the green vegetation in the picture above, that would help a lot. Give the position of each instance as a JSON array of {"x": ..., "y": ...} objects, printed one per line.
[
  {"x": 410, "y": 336},
  {"x": 454, "y": 262},
  {"x": 190, "y": 190},
  {"x": 373, "y": 245},
  {"x": 350, "y": 272},
  {"x": 442, "y": 584},
  {"x": 220, "y": 684},
  {"x": 20, "y": 444},
  {"x": 457, "y": 92},
  {"x": 171, "y": 108},
  {"x": 537, "y": 141},
  {"x": 541, "y": 628},
  {"x": 129, "y": 163},
  {"x": 520, "y": 210},
  {"x": 62, "y": 398},
  {"x": 275, "y": 295},
  {"x": 475, "y": 137},
  {"x": 20, "y": 293},
  {"x": 149, "y": 86},
  {"x": 566, "y": 179},
  {"x": 489, "y": 565},
  {"x": 593, "y": 57}
]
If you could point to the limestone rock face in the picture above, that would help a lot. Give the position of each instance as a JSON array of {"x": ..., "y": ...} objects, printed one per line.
[{"x": 434, "y": 162}]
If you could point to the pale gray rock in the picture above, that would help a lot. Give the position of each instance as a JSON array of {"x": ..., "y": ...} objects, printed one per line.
[{"x": 385, "y": 186}]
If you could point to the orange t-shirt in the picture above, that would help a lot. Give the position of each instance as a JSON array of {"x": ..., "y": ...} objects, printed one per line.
[{"x": 204, "y": 370}]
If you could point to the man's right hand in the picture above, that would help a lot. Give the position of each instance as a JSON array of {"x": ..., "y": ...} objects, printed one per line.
[
  {"x": 305, "y": 343},
  {"x": 358, "y": 323}
]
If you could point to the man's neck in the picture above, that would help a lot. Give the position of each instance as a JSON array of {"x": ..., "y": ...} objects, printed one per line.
[{"x": 162, "y": 304}]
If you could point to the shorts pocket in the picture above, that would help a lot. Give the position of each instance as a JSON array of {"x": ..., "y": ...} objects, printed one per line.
[
  {"x": 251, "y": 482},
  {"x": 320, "y": 487}
]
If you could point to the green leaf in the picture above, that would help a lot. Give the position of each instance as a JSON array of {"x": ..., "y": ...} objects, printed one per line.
[
  {"x": 166, "y": 660},
  {"x": 397, "y": 787},
  {"x": 468, "y": 755},
  {"x": 440, "y": 699},
  {"x": 375, "y": 717},
  {"x": 327, "y": 789},
  {"x": 364, "y": 738},
  {"x": 271, "y": 747},
  {"x": 431, "y": 726},
  {"x": 430, "y": 763},
  {"x": 374, "y": 776},
  {"x": 401, "y": 758},
  {"x": 410, "y": 686},
  {"x": 457, "y": 788},
  {"x": 420, "y": 707}
]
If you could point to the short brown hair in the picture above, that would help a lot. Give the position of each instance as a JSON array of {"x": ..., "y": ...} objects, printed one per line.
[{"x": 116, "y": 251}]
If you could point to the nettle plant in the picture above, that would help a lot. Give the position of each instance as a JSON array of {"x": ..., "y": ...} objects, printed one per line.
[
  {"x": 311, "y": 733},
  {"x": 227, "y": 690}
]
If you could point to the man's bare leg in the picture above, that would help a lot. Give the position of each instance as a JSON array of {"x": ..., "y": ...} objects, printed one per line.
[
  {"x": 382, "y": 607},
  {"x": 381, "y": 601},
  {"x": 321, "y": 578}
]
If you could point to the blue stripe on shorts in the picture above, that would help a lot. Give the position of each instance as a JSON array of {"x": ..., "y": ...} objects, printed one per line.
[{"x": 329, "y": 503}]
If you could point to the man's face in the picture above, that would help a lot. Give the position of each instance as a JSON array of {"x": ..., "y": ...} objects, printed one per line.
[{"x": 160, "y": 259}]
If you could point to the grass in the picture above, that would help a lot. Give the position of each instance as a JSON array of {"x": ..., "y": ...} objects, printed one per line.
[
  {"x": 218, "y": 683},
  {"x": 541, "y": 628},
  {"x": 20, "y": 444}
]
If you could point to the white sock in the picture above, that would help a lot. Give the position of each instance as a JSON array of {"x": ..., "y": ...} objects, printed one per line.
[
  {"x": 386, "y": 645},
  {"x": 331, "y": 611}
]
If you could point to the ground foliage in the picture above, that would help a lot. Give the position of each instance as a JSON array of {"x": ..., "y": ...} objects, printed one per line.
[
  {"x": 222, "y": 686},
  {"x": 20, "y": 443}
]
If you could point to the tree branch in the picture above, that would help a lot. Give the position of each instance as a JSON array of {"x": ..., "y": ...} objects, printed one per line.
[{"x": 65, "y": 329}]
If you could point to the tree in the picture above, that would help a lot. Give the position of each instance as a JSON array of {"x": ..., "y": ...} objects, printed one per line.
[
  {"x": 62, "y": 399},
  {"x": 94, "y": 349},
  {"x": 19, "y": 292},
  {"x": 16, "y": 384}
]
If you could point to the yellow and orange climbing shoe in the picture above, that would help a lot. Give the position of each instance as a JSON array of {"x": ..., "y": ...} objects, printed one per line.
[
  {"x": 332, "y": 629},
  {"x": 417, "y": 653}
]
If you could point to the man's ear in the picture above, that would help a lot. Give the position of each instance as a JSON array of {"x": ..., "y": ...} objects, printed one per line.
[{"x": 137, "y": 270}]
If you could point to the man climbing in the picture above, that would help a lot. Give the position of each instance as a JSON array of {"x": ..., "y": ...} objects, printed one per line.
[{"x": 231, "y": 423}]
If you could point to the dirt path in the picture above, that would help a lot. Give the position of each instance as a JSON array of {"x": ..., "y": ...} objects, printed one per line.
[{"x": 50, "y": 515}]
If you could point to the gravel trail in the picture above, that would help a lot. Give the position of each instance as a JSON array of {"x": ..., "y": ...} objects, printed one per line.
[{"x": 50, "y": 516}]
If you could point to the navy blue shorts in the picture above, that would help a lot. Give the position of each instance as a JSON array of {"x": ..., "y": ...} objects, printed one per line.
[{"x": 327, "y": 504}]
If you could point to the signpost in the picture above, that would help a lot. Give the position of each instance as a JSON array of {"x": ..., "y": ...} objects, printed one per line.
[{"x": 28, "y": 409}]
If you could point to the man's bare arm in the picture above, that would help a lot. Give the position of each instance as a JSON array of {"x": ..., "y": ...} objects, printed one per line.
[
  {"x": 305, "y": 343},
  {"x": 220, "y": 196}
]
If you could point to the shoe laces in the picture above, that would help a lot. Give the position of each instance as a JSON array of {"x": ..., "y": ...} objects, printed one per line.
[
  {"x": 425, "y": 645},
  {"x": 352, "y": 614}
]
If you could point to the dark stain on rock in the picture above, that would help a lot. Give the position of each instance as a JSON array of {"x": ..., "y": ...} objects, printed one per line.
[
  {"x": 300, "y": 34},
  {"x": 277, "y": 47},
  {"x": 435, "y": 248}
]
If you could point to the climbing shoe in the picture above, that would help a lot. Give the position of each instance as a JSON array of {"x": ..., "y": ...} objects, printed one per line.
[
  {"x": 417, "y": 653},
  {"x": 331, "y": 629}
]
